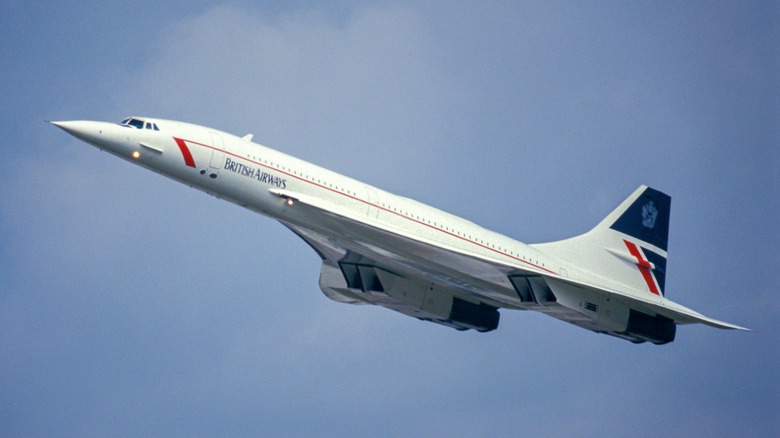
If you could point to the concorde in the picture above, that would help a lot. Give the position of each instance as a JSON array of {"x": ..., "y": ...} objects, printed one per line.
[{"x": 379, "y": 248}]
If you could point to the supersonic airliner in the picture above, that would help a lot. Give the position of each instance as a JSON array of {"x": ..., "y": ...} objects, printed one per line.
[{"x": 392, "y": 251}]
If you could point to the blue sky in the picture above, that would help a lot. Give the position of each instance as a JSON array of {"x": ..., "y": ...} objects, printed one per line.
[{"x": 132, "y": 305}]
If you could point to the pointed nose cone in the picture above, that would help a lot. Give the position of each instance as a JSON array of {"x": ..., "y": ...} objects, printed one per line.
[
  {"x": 81, "y": 129},
  {"x": 103, "y": 135},
  {"x": 100, "y": 134}
]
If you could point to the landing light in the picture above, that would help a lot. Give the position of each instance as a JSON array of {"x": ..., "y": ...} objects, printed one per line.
[
  {"x": 136, "y": 155},
  {"x": 289, "y": 201}
]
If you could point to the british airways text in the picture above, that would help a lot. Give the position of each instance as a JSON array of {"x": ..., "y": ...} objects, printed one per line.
[{"x": 255, "y": 174}]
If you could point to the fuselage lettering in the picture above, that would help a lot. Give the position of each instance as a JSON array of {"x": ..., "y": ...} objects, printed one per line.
[{"x": 254, "y": 173}]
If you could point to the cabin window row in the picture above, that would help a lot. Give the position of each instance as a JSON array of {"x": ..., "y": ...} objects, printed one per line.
[{"x": 296, "y": 173}]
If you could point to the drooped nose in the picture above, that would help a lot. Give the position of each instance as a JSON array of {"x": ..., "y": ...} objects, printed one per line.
[{"x": 84, "y": 130}]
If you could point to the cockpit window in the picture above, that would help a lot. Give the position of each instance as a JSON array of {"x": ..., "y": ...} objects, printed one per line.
[{"x": 139, "y": 124}]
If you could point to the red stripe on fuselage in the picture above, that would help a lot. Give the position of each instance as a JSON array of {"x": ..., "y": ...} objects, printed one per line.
[
  {"x": 644, "y": 267},
  {"x": 185, "y": 152}
]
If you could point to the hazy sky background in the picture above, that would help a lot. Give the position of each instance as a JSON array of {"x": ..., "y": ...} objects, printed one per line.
[{"x": 131, "y": 305}]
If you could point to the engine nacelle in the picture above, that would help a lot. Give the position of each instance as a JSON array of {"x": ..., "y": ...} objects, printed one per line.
[
  {"x": 656, "y": 329},
  {"x": 597, "y": 311},
  {"x": 361, "y": 282}
]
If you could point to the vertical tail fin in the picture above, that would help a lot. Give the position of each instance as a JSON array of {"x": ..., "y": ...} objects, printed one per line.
[{"x": 628, "y": 247}]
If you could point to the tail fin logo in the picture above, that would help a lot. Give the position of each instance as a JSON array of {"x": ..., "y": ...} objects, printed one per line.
[
  {"x": 646, "y": 219},
  {"x": 649, "y": 214}
]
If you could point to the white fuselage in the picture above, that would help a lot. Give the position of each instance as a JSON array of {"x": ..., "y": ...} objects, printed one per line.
[
  {"x": 389, "y": 250},
  {"x": 246, "y": 173}
]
